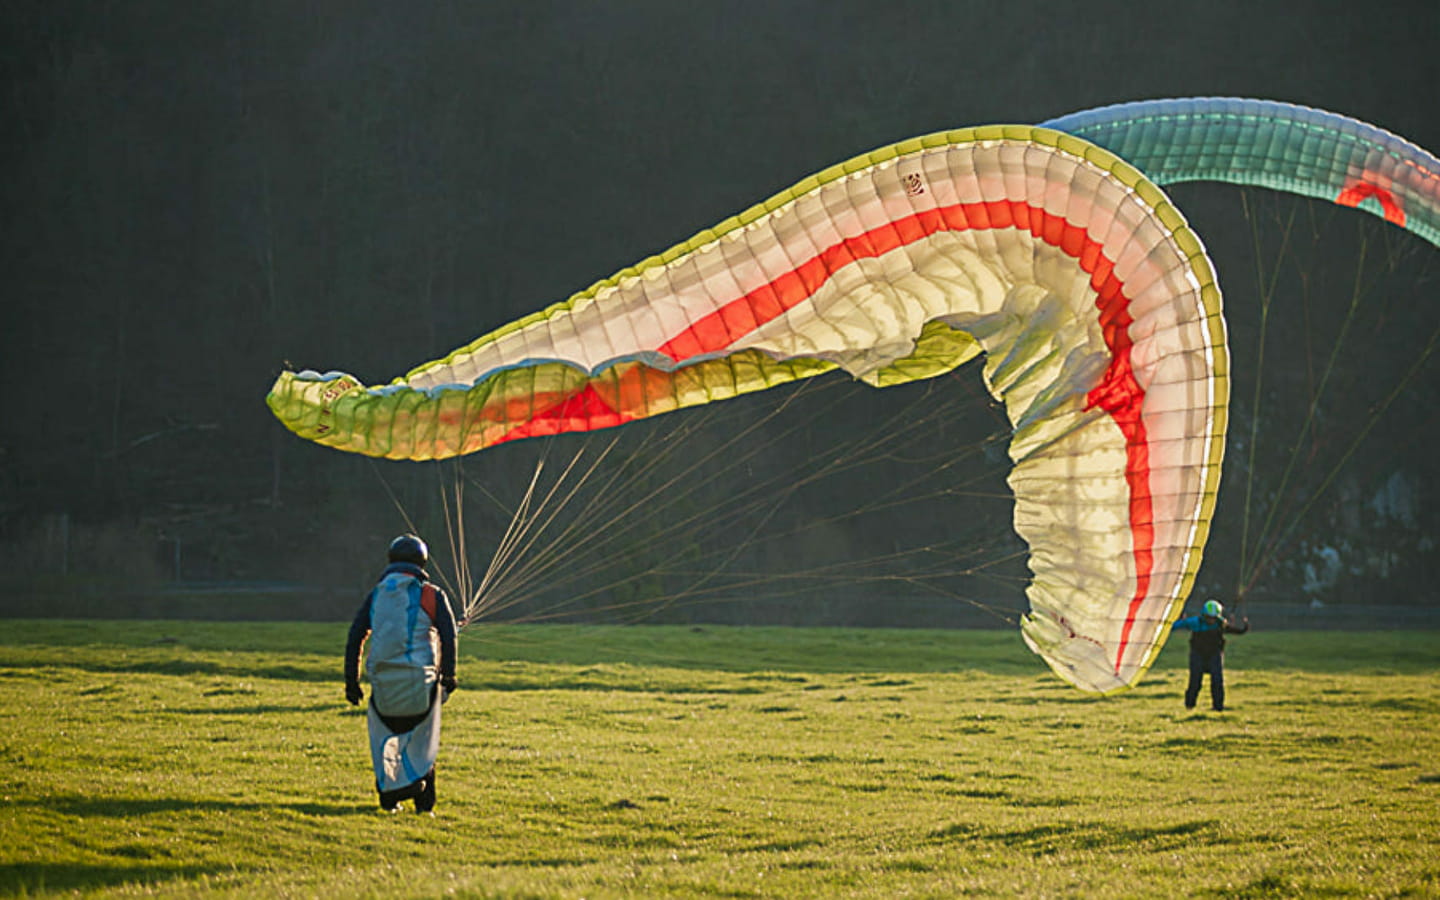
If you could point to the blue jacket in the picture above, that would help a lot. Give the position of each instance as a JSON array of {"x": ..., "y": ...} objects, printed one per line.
[
  {"x": 1207, "y": 633},
  {"x": 443, "y": 624}
]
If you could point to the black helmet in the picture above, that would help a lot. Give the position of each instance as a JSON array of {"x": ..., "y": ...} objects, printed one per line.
[{"x": 409, "y": 548}]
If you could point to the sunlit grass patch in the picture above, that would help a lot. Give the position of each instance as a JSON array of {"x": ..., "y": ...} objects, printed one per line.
[{"x": 169, "y": 758}]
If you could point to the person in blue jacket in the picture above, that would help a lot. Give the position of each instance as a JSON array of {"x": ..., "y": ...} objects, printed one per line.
[
  {"x": 1207, "y": 651},
  {"x": 410, "y": 663}
]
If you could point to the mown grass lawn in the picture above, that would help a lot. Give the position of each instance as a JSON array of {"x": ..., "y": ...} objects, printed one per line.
[{"x": 177, "y": 758}]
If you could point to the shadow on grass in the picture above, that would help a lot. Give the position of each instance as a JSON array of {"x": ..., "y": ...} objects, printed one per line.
[
  {"x": 129, "y": 808},
  {"x": 1190, "y": 745},
  {"x": 1046, "y": 839},
  {"x": 44, "y": 878},
  {"x": 183, "y": 667},
  {"x": 765, "y": 650},
  {"x": 607, "y": 685},
  {"x": 261, "y": 709},
  {"x": 544, "y": 862}
]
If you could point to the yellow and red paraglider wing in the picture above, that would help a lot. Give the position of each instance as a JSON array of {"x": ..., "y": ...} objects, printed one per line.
[{"x": 1093, "y": 302}]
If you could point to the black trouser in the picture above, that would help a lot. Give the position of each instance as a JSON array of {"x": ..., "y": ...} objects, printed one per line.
[{"x": 1200, "y": 665}]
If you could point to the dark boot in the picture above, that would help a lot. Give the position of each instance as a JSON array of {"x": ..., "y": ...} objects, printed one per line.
[{"x": 425, "y": 800}]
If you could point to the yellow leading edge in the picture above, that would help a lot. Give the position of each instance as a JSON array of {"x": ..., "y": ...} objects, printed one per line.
[{"x": 1094, "y": 304}]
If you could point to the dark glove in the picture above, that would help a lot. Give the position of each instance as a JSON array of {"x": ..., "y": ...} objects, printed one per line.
[
  {"x": 448, "y": 686},
  {"x": 353, "y": 693}
]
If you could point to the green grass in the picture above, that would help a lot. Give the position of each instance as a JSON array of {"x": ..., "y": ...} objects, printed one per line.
[{"x": 176, "y": 758}]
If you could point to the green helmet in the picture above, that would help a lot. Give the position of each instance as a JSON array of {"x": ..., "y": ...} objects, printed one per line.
[{"x": 1212, "y": 608}]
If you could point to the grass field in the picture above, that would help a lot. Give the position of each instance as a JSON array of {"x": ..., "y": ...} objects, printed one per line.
[{"x": 181, "y": 759}]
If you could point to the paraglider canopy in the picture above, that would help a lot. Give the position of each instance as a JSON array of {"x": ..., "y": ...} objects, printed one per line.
[{"x": 1092, "y": 301}]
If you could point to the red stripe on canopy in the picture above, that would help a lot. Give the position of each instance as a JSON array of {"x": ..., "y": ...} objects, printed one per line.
[{"x": 1118, "y": 393}]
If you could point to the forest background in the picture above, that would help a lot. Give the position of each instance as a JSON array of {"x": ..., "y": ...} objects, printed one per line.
[{"x": 201, "y": 194}]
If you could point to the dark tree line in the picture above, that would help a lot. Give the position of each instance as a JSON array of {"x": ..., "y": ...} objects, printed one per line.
[{"x": 199, "y": 195}]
